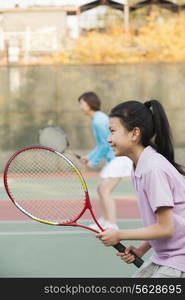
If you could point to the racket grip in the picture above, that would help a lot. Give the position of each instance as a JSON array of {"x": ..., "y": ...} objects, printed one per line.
[
  {"x": 138, "y": 260},
  {"x": 78, "y": 156}
]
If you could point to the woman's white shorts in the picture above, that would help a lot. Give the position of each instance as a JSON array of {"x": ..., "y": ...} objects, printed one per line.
[{"x": 119, "y": 166}]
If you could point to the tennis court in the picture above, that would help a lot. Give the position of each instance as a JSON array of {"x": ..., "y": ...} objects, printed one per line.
[{"x": 32, "y": 249}]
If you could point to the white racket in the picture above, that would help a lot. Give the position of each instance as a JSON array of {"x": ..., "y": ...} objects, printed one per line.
[{"x": 54, "y": 137}]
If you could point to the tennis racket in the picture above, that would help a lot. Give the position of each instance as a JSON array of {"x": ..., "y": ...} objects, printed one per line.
[
  {"x": 54, "y": 137},
  {"x": 48, "y": 187}
]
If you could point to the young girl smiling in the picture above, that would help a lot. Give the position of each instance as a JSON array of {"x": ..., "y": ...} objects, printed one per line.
[{"x": 142, "y": 133}]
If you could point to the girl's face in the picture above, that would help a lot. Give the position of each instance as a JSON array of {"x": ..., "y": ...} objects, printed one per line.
[{"x": 120, "y": 138}]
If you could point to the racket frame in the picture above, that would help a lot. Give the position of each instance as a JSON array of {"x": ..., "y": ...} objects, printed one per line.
[
  {"x": 87, "y": 205},
  {"x": 121, "y": 248}
]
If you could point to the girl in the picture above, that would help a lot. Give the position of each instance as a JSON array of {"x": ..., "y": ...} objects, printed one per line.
[{"x": 141, "y": 132}]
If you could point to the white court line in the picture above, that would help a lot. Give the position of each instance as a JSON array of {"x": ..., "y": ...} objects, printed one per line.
[
  {"x": 51, "y": 232},
  {"x": 82, "y": 222},
  {"x": 43, "y": 232}
]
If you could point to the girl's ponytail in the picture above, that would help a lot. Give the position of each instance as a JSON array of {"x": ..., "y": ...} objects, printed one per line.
[
  {"x": 162, "y": 139},
  {"x": 151, "y": 118}
]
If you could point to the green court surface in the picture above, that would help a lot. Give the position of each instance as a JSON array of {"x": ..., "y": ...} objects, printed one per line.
[{"x": 31, "y": 249}]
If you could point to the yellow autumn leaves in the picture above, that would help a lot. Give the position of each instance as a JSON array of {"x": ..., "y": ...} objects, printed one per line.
[{"x": 156, "y": 41}]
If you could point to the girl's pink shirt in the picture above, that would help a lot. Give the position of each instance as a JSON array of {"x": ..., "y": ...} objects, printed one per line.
[{"x": 158, "y": 184}]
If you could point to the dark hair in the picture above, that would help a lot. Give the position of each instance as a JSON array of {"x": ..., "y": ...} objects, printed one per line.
[
  {"x": 92, "y": 100},
  {"x": 151, "y": 118}
]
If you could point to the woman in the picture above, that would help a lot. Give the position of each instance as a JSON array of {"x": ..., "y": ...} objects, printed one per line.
[{"x": 115, "y": 168}]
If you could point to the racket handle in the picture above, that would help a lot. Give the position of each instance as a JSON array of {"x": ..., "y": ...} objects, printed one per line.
[
  {"x": 138, "y": 260},
  {"x": 78, "y": 156}
]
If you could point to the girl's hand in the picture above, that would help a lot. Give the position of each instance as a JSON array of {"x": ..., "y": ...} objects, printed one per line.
[
  {"x": 84, "y": 160},
  {"x": 127, "y": 256},
  {"x": 109, "y": 237}
]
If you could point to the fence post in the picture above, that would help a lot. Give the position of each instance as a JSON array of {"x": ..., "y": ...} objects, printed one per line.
[
  {"x": 2, "y": 45},
  {"x": 27, "y": 44}
]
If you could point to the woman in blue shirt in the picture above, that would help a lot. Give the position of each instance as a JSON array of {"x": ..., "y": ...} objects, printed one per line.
[{"x": 114, "y": 169}]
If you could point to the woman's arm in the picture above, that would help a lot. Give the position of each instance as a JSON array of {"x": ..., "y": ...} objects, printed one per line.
[{"x": 102, "y": 146}]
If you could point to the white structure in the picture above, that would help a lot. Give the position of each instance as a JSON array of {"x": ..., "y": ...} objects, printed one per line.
[
  {"x": 87, "y": 20},
  {"x": 42, "y": 25},
  {"x": 26, "y": 32}
]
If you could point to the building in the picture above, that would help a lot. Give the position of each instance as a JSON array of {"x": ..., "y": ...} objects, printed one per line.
[{"x": 32, "y": 31}]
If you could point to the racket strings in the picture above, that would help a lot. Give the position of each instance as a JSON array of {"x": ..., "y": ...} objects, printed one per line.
[{"x": 43, "y": 184}]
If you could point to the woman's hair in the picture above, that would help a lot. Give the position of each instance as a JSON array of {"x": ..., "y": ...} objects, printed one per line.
[
  {"x": 92, "y": 100},
  {"x": 151, "y": 118}
]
